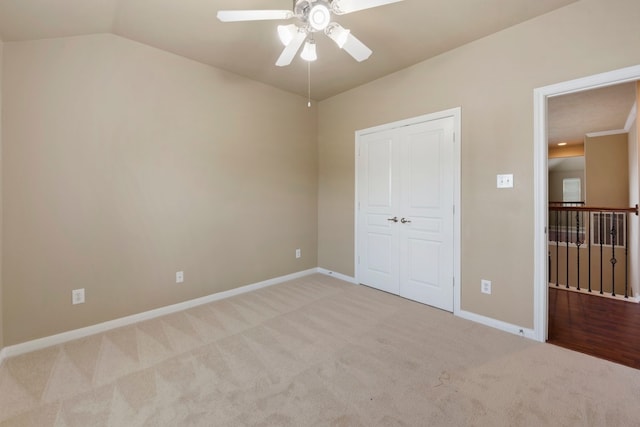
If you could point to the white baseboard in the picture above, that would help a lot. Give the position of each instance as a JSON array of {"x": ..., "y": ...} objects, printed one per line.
[
  {"x": 497, "y": 324},
  {"x": 40, "y": 343},
  {"x": 487, "y": 321},
  {"x": 337, "y": 275},
  {"x": 3, "y": 355}
]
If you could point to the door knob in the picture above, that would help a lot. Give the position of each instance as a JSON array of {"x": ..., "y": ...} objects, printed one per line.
[
  {"x": 394, "y": 219},
  {"x": 404, "y": 220}
]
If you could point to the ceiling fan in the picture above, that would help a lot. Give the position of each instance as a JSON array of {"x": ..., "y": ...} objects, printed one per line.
[{"x": 314, "y": 17}]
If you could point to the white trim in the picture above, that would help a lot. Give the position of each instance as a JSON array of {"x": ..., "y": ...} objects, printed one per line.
[
  {"x": 631, "y": 118},
  {"x": 540, "y": 172},
  {"x": 606, "y": 133},
  {"x": 38, "y": 344},
  {"x": 498, "y": 324},
  {"x": 457, "y": 206},
  {"x": 356, "y": 208},
  {"x": 456, "y": 113},
  {"x": 451, "y": 112},
  {"x": 340, "y": 276},
  {"x": 627, "y": 126}
]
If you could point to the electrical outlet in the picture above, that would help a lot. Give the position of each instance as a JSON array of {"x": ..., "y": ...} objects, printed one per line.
[
  {"x": 505, "y": 181},
  {"x": 179, "y": 276},
  {"x": 298, "y": 253},
  {"x": 485, "y": 286},
  {"x": 77, "y": 296}
]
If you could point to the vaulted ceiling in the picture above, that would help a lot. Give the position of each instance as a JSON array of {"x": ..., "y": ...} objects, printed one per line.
[{"x": 400, "y": 34}]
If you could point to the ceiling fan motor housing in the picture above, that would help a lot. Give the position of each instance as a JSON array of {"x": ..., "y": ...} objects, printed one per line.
[{"x": 315, "y": 13}]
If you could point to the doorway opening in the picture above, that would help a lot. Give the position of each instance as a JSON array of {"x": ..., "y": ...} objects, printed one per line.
[{"x": 541, "y": 179}]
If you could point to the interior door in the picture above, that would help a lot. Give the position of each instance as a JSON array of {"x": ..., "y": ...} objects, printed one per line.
[
  {"x": 377, "y": 217},
  {"x": 405, "y": 211},
  {"x": 426, "y": 209}
]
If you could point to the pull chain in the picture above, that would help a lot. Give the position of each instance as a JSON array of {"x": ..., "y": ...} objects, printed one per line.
[{"x": 309, "y": 84}]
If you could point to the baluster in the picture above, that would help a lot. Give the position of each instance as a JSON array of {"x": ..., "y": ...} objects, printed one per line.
[
  {"x": 566, "y": 240},
  {"x": 578, "y": 243},
  {"x": 557, "y": 249},
  {"x": 626, "y": 255},
  {"x": 589, "y": 246},
  {"x": 613, "y": 254},
  {"x": 601, "y": 234}
]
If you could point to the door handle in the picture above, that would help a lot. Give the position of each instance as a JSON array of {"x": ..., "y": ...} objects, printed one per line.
[
  {"x": 404, "y": 220},
  {"x": 394, "y": 219}
]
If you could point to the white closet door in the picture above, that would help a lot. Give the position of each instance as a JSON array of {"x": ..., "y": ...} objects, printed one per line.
[
  {"x": 405, "y": 211},
  {"x": 377, "y": 231},
  {"x": 426, "y": 207}
]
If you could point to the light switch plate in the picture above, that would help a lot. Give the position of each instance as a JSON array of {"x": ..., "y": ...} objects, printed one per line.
[{"x": 505, "y": 181}]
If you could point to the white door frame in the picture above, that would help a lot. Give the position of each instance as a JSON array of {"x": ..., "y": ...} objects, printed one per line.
[
  {"x": 540, "y": 171},
  {"x": 456, "y": 114}
]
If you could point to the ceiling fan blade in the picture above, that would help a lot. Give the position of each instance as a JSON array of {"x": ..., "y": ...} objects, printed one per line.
[
  {"x": 341, "y": 7},
  {"x": 356, "y": 48},
  {"x": 292, "y": 48},
  {"x": 253, "y": 15}
]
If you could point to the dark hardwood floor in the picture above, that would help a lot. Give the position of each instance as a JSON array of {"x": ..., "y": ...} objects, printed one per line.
[{"x": 602, "y": 327}]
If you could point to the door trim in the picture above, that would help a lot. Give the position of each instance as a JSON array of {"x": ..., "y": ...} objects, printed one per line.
[
  {"x": 540, "y": 171},
  {"x": 456, "y": 114}
]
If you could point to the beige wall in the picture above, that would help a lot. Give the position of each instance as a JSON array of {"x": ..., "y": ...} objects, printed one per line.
[
  {"x": 124, "y": 164},
  {"x": 492, "y": 80},
  {"x": 606, "y": 162},
  {"x": 555, "y": 192},
  {"x": 1, "y": 291}
]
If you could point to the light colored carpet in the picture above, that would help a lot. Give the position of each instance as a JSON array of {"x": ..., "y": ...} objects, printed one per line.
[{"x": 314, "y": 351}]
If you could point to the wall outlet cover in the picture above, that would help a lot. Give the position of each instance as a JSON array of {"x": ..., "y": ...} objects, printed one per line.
[
  {"x": 179, "y": 276},
  {"x": 77, "y": 296},
  {"x": 485, "y": 286}
]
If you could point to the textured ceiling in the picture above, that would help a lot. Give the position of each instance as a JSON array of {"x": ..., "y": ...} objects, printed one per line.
[
  {"x": 400, "y": 34},
  {"x": 572, "y": 116}
]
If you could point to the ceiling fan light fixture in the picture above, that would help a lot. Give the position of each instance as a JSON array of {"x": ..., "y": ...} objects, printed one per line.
[
  {"x": 286, "y": 33},
  {"x": 319, "y": 17},
  {"x": 309, "y": 51},
  {"x": 338, "y": 34}
]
